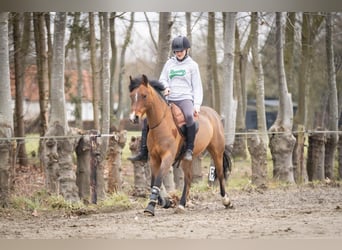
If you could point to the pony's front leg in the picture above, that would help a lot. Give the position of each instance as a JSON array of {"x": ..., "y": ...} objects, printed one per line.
[{"x": 158, "y": 173}]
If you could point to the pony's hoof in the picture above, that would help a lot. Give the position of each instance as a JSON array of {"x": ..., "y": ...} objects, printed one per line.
[
  {"x": 180, "y": 209},
  {"x": 149, "y": 210},
  {"x": 226, "y": 202}
]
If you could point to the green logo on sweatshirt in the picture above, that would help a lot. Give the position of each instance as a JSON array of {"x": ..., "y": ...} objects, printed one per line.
[{"x": 174, "y": 73}]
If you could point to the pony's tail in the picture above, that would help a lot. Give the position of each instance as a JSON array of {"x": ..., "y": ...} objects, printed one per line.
[{"x": 227, "y": 162}]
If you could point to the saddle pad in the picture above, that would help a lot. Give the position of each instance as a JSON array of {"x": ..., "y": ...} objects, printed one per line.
[{"x": 178, "y": 115}]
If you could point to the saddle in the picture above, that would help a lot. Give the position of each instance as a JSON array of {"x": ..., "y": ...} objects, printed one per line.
[{"x": 179, "y": 119}]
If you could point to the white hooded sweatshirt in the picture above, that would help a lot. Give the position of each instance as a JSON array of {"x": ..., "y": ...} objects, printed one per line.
[{"x": 184, "y": 80}]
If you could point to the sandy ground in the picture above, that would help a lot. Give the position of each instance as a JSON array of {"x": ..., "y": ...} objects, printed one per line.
[{"x": 310, "y": 212}]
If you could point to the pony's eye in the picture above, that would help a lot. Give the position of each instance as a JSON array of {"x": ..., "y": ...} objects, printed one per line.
[{"x": 144, "y": 96}]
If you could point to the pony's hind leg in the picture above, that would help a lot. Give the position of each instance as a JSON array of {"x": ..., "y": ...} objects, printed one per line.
[{"x": 219, "y": 166}]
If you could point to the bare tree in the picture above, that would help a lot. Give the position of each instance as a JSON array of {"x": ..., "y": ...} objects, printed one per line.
[
  {"x": 289, "y": 49},
  {"x": 42, "y": 75},
  {"x": 21, "y": 42},
  {"x": 282, "y": 141},
  {"x": 239, "y": 148},
  {"x": 105, "y": 109},
  {"x": 60, "y": 176},
  {"x": 95, "y": 72},
  {"x": 75, "y": 44},
  {"x": 105, "y": 75},
  {"x": 188, "y": 27},
  {"x": 165, "y": 25},
  {"x": 311, "y": 23},
  {"x": 229, "y": 104},
  {"x": 6, "y": 115},
  {"x": 122, "y": 64},
  {"x": 213, "y": 89},
  {"x": 47, "y": 17},
  {"x": 257, "y": 143},
  {"x": 331, "y": 138},
  {"x": 113, "y": 61}
]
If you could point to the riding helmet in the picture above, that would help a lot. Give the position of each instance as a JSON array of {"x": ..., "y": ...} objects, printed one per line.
[{"x": 180, "y": 43}]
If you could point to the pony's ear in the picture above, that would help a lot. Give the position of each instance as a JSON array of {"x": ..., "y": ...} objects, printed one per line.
[
  {"x": 145, "y": 80},
  {"x": 130, "y": 78}
]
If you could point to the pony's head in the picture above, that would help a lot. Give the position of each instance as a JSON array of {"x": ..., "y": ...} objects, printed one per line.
[{"x": 140, "y": 93}]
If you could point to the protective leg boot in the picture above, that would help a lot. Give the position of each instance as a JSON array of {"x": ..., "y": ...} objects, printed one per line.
[
  {"x": 190, "y": 138},
  {"x": 143, "y": 153}
]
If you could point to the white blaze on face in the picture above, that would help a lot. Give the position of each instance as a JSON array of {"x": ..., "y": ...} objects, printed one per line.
[{"x": 132, "y": 115}]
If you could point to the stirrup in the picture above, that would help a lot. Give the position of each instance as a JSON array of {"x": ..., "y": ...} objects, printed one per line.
[{"x": 188, "y": 155}]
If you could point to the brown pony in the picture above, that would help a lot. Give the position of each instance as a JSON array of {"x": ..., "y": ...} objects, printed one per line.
[{"x": 165, "y": 142}]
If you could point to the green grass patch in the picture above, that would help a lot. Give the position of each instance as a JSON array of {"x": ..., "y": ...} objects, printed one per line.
[{"x": 118, "y": 200}]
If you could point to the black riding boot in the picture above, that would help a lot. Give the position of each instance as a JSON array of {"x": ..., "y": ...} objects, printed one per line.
[
  {"x": 190, "y": 138},
  {"x": 143, "y": 153}
]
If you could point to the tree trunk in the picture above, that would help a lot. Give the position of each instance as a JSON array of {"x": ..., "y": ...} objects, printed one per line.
[
  {"x": 188, "y": 28},
  {"x": 113, "y": 119},
  {"x": 316, "y": 155},
  {"x": 47, "y": 17},
  {"x": 289, "y": 50},
  {"x": 310, "y": 26},
  {"x": 122, "y": 64},
  {"x": 299, "y": 163},
  {"x": 282, "y": 141},
  {"x": 165, "y": 25},
  {"x": 229, "y": 103},
  {"x": 6, "y": 116},
  {"x": 257, "y": 143},
  {"x": 116, "y": 145},
  {"x": 141, "y": 170},
  {"x": 331, "y": 138},
  {"x": 239, "y": 149},
  {"x": 258, "y": 151},
  {"x": 20, "y": 45},
  {"x": 43, "y": 77},
  {"x": 197, "y": 175},
  {"x": 105, "y": 80},
  {"x": 83, "y": 152},
  {"x": 340, "y": 157},
  {"x": 61, "y": 178},
  {"x": 78, "y": 100},
  {"x": 213, "y": 89},
  {"x": 95, "y": 72},
  {"x": 260, "y": 91}
]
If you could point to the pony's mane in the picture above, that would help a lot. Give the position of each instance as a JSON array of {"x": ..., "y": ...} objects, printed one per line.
[
  {"x": 134, "y": 83},
  {"x": 156, "y": 85}
]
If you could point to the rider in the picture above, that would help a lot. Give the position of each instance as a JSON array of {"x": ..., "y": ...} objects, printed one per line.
[{"x": 182, "y": 80}]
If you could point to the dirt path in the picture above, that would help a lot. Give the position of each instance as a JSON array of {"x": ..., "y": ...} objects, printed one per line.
[{"x": 306, "y": 212}]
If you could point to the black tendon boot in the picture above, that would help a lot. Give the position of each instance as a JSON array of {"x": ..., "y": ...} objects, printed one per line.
[
  {"x": 190, "y": 138},
  {"x": 143, "y": 153}
]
